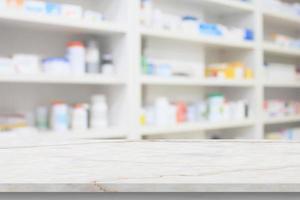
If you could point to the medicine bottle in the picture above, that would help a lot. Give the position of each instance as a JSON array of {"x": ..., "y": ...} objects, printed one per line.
[
  {"x": 76, "y": 56},
  {"x": 92, "y": 58},
  {"x": 99, "y": 112}
]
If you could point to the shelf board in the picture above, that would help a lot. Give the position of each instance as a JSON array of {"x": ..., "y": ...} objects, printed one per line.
[
  {"x": 194, "y": 127},
  {"x": 53, "y": 79},
  {"x": 230, "y": 5},
  {"x": 281, "y": 50},
  {"x": 110, "y": 133},
  {"x": 20, "y": 19},
  {"x": 282, "y": 18},
  {"x": 178, "y": 81},
  {"x": 282, "y": 120},
  {"x": 287, "y": 84},
  {"x": 196, "y": 38},
  {"x": 107, "y": 133}
]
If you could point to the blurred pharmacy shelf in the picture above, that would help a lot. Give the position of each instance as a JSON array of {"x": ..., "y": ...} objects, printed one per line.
[
  {"x": 282, "y": 120},
  {"x": 148, "y": 80},
  {"x": 187, "y": 37},
  {"x": 20, "y": 19},
  {"x": 121, "y": 35},
  {"x": 195, "y": 127},
  {"x": 53, "y": 79}
]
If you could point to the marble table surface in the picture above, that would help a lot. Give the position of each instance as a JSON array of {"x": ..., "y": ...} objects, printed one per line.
[{"x": 78, "y": 165}]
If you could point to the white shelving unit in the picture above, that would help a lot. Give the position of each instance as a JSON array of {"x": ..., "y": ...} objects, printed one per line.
[
  {"x": 129, "y": 90},
  {"x": 155, "y": 42},
  {"x": 49, "y": 35},
  {"x": 287, "y": 24}
]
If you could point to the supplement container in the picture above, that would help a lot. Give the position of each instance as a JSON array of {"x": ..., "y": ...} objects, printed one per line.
[
  {"x": 146, "y": 12},
  {"x": 76, "y": 56},
  {"x": 59, "y": 66},
  {"x": 93, "y": 58},
  {"x": 71, "y": 11},
  {"x": 79, "y": 117},
  {"x": 215, "y": 103},
  {"x": 7, "y": 66},
  {"x": 26, "y": 63},
  {"x": 60, "y": 117},
  {"x": 99, "y": 112},
  {"x": 35, "y": 7},
  {"x": 162, "y": 110},
  {"x": 15, "y": 4},
  {"x": 53, "y": 9},
  {"x": 181, "y": 112}
]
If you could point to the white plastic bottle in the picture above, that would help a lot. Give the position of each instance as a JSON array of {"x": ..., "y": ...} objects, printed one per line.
[
  {"x": 92, "y": 58},
  {"x": 162, "y": 111},
  {"x": 60, "y": 117},
  {"x": 76, "y": 56},
  {"x": 79, "y": 117},
  {"x": 99, "y": 112}
]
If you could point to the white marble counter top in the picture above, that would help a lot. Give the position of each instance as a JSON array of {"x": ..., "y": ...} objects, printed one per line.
[{"x": 66, "y": 165}]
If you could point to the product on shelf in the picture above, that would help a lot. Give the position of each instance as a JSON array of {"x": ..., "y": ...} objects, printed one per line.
[
  {"x": 12, "y": 121},
  {"x": 215, "y": 109},
  {"x": 7, "y": 66},
  {"x": 36, "y": 7},
  {"x": 71, "y": 11},
  {"x": 53, "y": 9},
  {"x": 168, "y": 68},
  {"x": 99, "y": 111},
  {"x": 60, "y": 117},
  {"x": 281, "y": 108},
  {"x": 283, "y": 72},
  {"x": 13, "y": 4},
  {"x": 46, "y": 8},
  {"x": 56, "y": 66},
  {"x": 93, "y": 57},
  {"x": 230, "y": 71},
  {"x": 284, "y": 40},
  {"x": 287, "y": 134},
  {"x": 77, "y": 57},
  {"x": 80, "y": 59},
  {"x": 26, "y": 64},
  {"x": 282, "y": 7},
  {"x": 80, "y": 117},
  {"x": 155, "y": 18}
]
